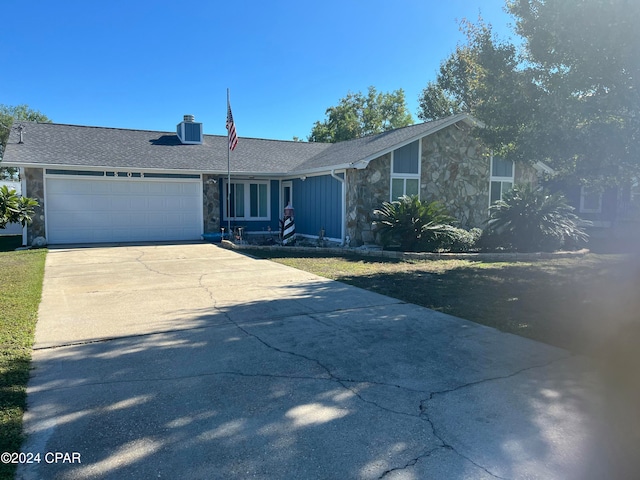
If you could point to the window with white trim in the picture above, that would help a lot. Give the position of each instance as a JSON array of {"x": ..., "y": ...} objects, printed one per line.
[
  {"x": 248, "y": 200},
  {"x": 590, "y": 200},
  {"x": 501, "y": 179},
  {"x": 405, "y": 171}
]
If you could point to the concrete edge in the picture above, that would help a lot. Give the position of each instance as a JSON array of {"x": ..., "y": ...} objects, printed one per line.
[{"x": 495, "y": 257}]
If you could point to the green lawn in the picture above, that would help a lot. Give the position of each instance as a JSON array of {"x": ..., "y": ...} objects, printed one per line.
[
  {"x": 21, "y": 276},
  {"x": 579, "y": 303}
]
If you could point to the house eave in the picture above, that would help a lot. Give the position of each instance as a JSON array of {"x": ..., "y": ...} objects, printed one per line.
[
  {"x": 97, "y": 168},
  {"x": 544, "y": 168},
  {"x": 327, "y": 169},
  {"x": 461, "y": 117}
]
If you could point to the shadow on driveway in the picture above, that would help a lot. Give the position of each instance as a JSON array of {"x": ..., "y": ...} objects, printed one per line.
[{"x": 305, "y": 379}]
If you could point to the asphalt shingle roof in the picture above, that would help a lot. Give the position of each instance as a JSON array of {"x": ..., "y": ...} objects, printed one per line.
[{"x": 50, "y": 144}]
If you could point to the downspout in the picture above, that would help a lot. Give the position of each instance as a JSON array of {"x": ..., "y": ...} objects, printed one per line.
[
  {"x": 23, "y": 190},
  {"x": 344, "y": 205}
]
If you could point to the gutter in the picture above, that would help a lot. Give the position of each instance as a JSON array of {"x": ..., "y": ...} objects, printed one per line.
[
  {"x": 343, "y": 226},
  {"x": 23, "y": 188}
]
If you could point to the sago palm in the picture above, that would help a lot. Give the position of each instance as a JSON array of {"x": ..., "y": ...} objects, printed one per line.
[
  {"x": 530, "y": 219},
  {"x": 412, "y": 224}
]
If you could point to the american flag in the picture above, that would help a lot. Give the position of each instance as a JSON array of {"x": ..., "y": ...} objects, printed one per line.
[{"x": 231, "y": 130}]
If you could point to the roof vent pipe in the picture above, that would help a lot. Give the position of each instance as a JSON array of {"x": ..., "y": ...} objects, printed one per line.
[{"x": 189, "y": 118}]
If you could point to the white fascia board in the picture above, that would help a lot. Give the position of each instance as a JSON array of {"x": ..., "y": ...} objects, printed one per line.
[
  {"x": 324, "y": 170},
  {"x": 543, "y": 167},
  {"x": 318, "y": 173},
  {"x": 98, "y": 168},
  {"x": 257, "y": 175}
]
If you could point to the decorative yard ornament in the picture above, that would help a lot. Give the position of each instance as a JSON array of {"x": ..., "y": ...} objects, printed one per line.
[{"x": 288, "y": 226}]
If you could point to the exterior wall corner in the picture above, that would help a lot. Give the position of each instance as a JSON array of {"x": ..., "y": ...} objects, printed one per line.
[{"x": 35, "y": 189}]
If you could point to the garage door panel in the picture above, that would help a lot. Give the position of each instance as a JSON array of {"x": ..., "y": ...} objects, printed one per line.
[
  {"x": 190, "y": 204},
  {"x": 190, "y": 188},
  {"x": 120, "y": 188},
  {"x": 139, "y": 188},
  {"x": 119, "y": 203},
  {"x": 156, "y": 188},
  {"x": 99, "y": 203},
  {"x": 100, "y": 187},
  {"x": 138, "y": 203},
  {"x": 173, "y": 203},
  {"x": 82, "y": 210},
  {"x": 173, "y": 189}
]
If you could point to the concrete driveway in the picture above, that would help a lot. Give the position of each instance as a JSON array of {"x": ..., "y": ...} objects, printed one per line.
[{"x": 191, "y": 361}]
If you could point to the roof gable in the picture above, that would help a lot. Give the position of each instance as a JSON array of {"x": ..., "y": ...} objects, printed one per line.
[{"x": 357, "y": 153}]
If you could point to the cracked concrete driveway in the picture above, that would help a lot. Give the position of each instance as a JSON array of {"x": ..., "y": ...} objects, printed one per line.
[{"x": 190, "y": 361}]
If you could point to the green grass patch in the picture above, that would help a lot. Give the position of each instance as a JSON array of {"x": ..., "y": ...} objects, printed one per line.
[
  {"x": 579, "y": 303},
  {"x": 21, "y": 275}
]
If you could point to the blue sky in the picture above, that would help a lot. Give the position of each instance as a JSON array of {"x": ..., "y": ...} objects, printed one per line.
[{"x": 144, "y": 64}]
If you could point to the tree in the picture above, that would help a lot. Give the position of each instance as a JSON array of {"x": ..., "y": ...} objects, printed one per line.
[
  {"x": 14, "y": 208},
  {"x": 8, "y": 116},
  {"x": 484, "y": 77},
  {"x": 358, "y": 115},
  {"x": 567, "y": 95}
]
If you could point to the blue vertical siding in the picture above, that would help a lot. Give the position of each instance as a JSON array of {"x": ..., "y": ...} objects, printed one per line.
[
  {"x": 276, "y": 214},
  {"x": 318, "y": 204}
]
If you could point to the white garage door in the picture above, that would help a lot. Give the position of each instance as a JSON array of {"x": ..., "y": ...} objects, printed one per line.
[{"x": 94, "y": 210}]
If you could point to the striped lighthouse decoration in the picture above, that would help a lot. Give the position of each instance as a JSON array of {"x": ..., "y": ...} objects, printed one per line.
[{"x": 289, "y": 226}]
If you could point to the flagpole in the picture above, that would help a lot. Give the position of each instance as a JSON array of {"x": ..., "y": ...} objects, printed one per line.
[{"x": 228, "y": 179}]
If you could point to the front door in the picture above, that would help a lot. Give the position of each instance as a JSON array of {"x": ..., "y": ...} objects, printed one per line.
[{"x": 286, "y": 195}]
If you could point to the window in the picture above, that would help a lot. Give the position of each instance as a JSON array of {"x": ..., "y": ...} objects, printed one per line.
[
  {"x": 590, "y": 200},
  {"x": 501, "y": 178},
  {"x": 247, "y": 200},
  {"x": 405, "y": 171}
]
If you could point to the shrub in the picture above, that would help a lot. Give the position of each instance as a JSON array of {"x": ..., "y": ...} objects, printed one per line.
[
  {"x": 413, "y": 225},
  {"x": 463, "y": 240},
  {"x": 528, "y": 219},
  {"x": 14, "y": 208}
]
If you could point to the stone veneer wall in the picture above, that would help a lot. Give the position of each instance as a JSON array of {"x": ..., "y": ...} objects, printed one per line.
[
  {"x": 454, "y": 170},
  {"x": 365, "y": 191},
  {"x": 211, "y": 203},
  {"x": 35, "y": 189}
]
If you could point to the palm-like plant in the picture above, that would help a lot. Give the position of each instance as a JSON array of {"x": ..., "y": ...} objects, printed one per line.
[
  {"x": 14, "y": 208},
  {"x": 412, "y": 224},
  {"x": 529, "y": 219}
]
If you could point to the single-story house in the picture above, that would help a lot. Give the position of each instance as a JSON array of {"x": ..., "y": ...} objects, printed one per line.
[{"x": 99, "y": 184}]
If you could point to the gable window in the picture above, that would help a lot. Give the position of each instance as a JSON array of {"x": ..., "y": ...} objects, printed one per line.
[
  {"x": 501, "y": 178},
  {"x": 247, "y": 200},
  {"x": 405, "y": 171},
  {"x": 590, "y": 200}
]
